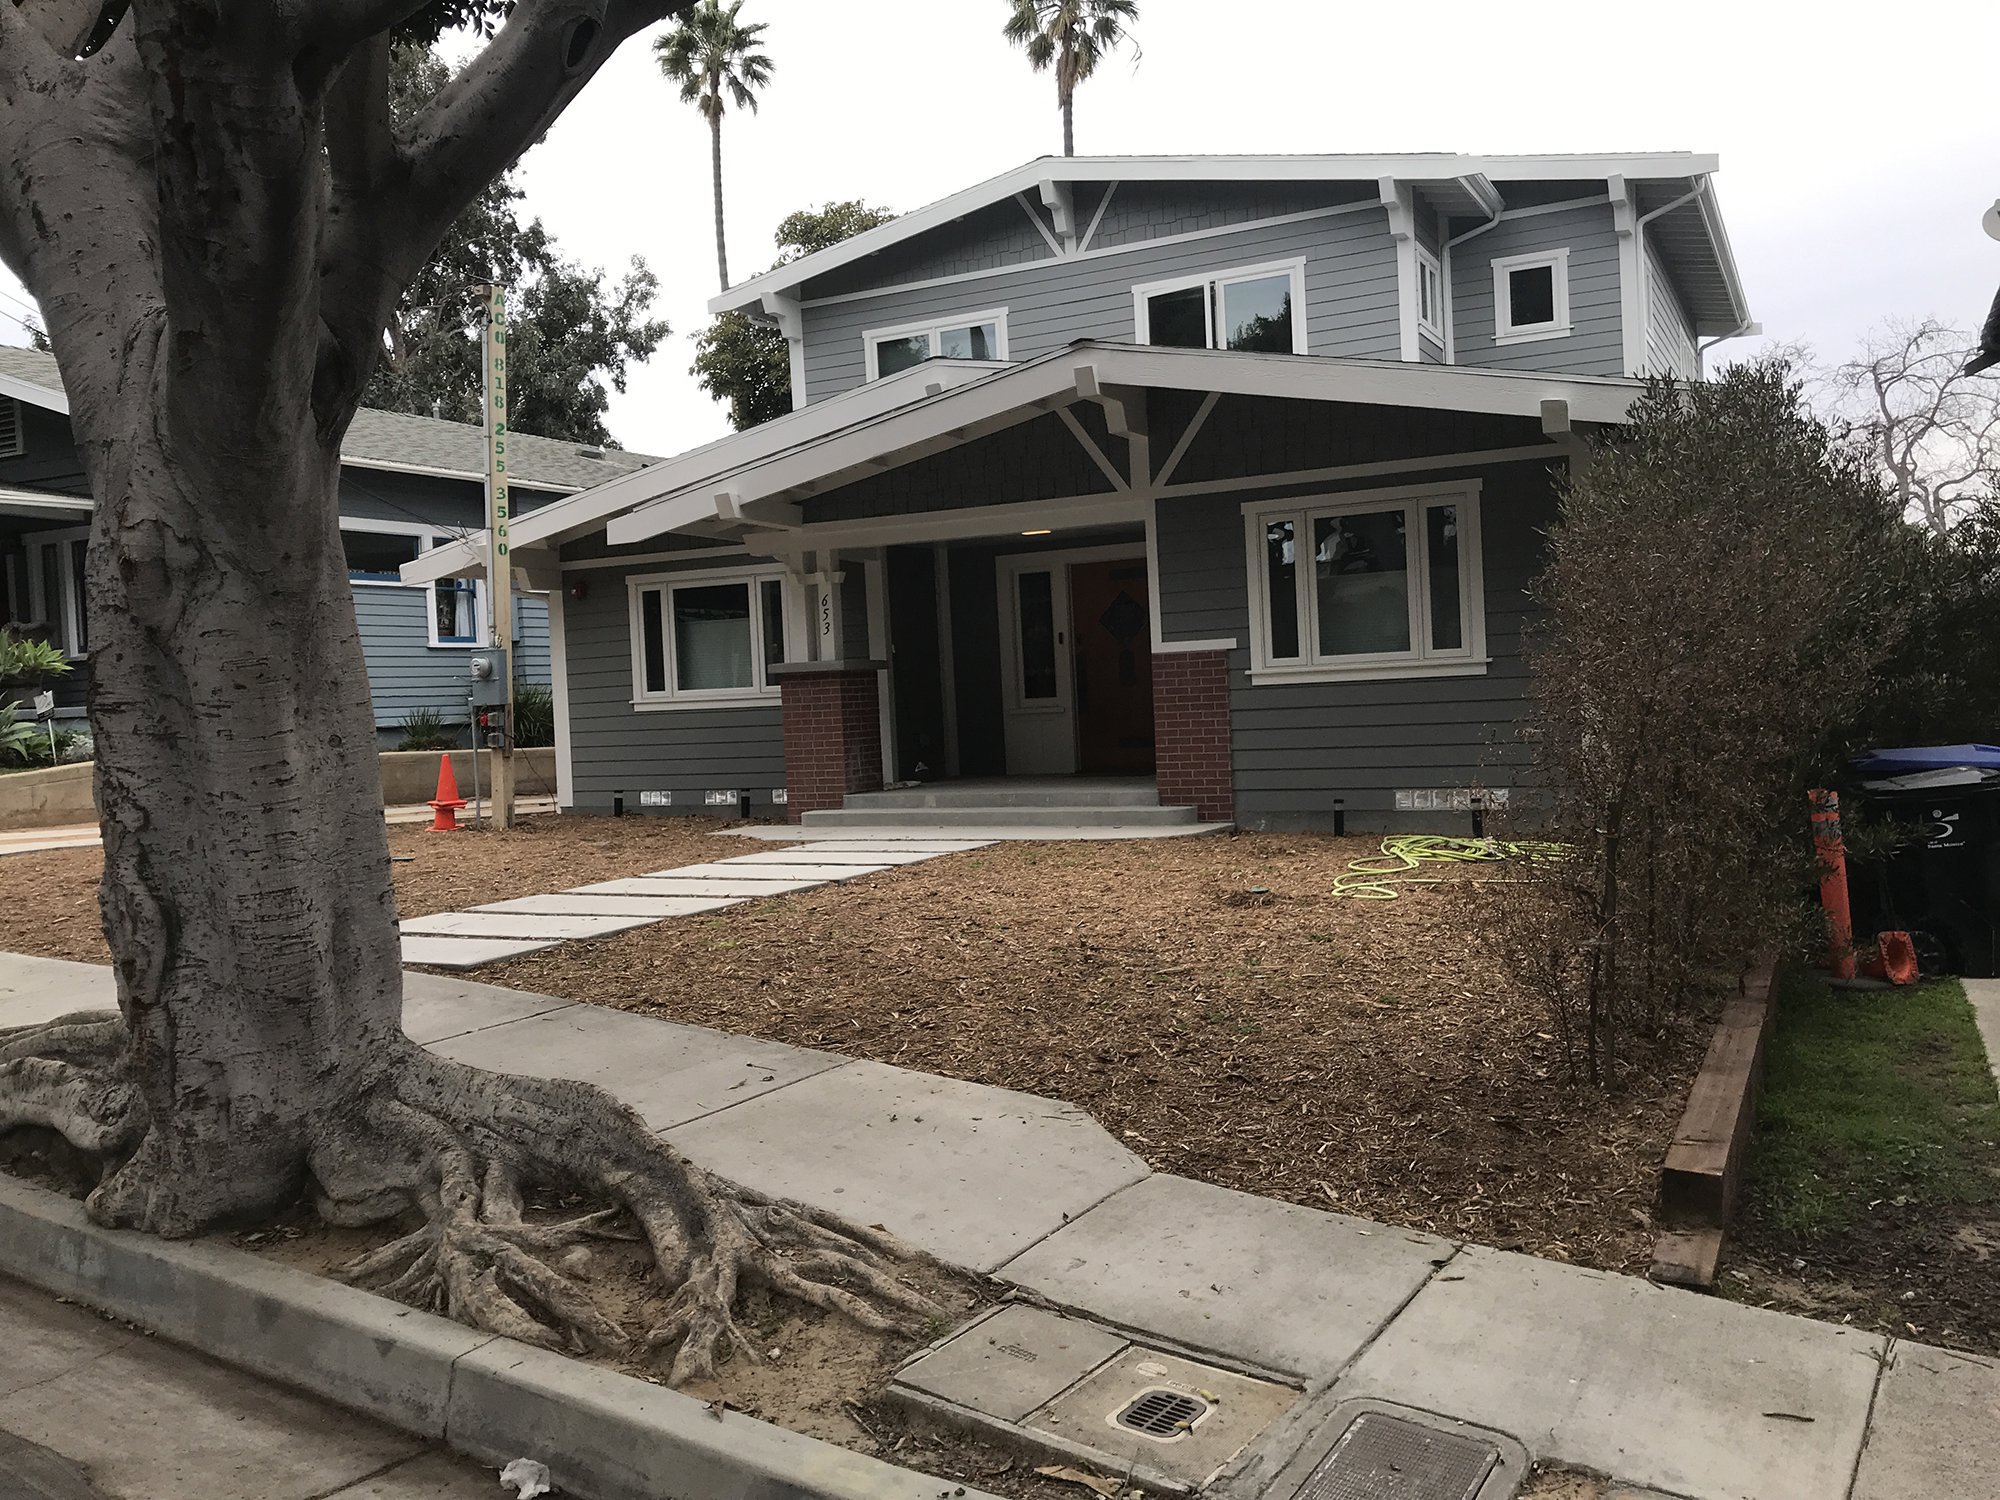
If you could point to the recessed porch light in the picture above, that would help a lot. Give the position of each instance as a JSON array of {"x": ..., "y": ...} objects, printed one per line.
[{"x": 1044, "y": 531}]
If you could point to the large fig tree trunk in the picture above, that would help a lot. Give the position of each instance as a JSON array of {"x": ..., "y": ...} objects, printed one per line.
[{"x": 217, "y": 218}]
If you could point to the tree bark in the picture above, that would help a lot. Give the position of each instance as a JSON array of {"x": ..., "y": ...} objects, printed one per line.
[{"x": 721, "y": 236}]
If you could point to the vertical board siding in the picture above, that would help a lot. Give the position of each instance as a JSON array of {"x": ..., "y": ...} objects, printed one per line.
[
  {"x": 1670, "y": 347},
  {"x": 1351, "y": 296},
  {"x": 1298, "y": 747},
  {"x": 616, "y": 750},
  {"x": 1596, "y": 342}
]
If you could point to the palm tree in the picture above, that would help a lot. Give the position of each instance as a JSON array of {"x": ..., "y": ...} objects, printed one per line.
[
  {"x": 717, "y": 61},
  {"x": 1073, "y": 36}
]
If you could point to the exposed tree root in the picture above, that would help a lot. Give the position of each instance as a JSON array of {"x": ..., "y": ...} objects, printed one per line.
[{"x": 460, "y": 1146}]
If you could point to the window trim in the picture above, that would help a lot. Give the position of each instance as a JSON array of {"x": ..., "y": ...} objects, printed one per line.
[
  {"x": 931, "y": 329},
  {"x": 1432, "y": 329},
  {"x": 1505, "y": 330},
  {"x": 1469, "y": 660},
  {"x": 1142, "y": 294},
  {"x": 427, "y": 538},
  {"x": 763, "y": 689}
]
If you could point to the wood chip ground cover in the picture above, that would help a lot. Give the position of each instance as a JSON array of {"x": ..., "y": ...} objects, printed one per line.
[{"x": 1203, "y": 998}]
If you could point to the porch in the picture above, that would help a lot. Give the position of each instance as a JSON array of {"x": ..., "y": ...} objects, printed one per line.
[{"x": 43, "y": 535}]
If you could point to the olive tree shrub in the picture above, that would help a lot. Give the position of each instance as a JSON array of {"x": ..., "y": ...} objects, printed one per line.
[{"x": 1723, "y": 586}]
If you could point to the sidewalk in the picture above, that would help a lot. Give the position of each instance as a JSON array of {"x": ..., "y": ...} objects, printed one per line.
[
  {"x": 91, "y": 1409},
  {"x": 1688, "y": 1395},
  {"x": 87, "y": 836}
]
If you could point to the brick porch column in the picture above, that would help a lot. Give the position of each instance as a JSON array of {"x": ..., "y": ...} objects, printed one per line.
[
  {"x": 1191, "y": 728},
  {"x": 833, "y": 733}
]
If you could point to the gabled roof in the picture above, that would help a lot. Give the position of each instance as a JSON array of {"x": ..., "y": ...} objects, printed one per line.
[
  {"x": 1453, "y": 174},
  {"x": 847, "y": 437},
  {"x": 385, "y": 439}
]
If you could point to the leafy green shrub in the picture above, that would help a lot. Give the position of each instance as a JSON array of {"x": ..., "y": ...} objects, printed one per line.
[
  {"x": 534, "y": 715},
  {"x": 25, "y": 663},
  {"x": 425, "y": 729}
]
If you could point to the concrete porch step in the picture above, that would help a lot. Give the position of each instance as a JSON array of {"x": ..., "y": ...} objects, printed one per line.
[
  {"x": 956, "y": 815},
  {"x": 1014, "y": 794}
]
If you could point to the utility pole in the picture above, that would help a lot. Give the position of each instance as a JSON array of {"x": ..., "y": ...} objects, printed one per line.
[{"x": 500, "y": 567}]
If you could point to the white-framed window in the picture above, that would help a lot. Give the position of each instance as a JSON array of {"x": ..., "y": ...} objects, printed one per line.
[
  {"x": 1430, "y": 296},
  {"x": 708, "y": 637},
  {"x": 1251, "y": 309},
  {"x": 1531, "y": 297},
  {"x": 455, "y": 608},
  {"x": 55, "y": 566},
  {"x": 1371, "y": 584},
  {"x": 980, "y": 335}
]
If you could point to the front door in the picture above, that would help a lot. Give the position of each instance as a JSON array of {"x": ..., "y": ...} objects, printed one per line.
[
  {"x": 1035, "y": 665},
  {"x": 1113, "y": 674}
]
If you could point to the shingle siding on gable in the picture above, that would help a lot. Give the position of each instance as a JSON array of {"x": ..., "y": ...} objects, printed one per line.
[
  {"x": 1351, "y": 298},
  {"x": 1670, "y": 347},
  {"x": 1596, "y": 343}
]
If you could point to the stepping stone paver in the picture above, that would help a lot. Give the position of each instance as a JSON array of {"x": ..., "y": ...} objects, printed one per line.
[
  {"x": 670, "y": 1073},
  {"x": 1234, "y": 1274},
  {"x": 1661, "y": 1387},
  {"x": 827, "y": 874},
  {"x": 465, "y": 952},
  {"x": 667, "y": 885},
  {"x": 585, "y": 904},
  {"x": 877, "y": 858},
  {"x": 998, "y": 1170},
  {"x": 496, "y": 924}
]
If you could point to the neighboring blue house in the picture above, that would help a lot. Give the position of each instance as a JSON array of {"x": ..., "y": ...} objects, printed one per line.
[
  {"x": 1227, "y": 476},
  {"x": 407, "y": 484}
]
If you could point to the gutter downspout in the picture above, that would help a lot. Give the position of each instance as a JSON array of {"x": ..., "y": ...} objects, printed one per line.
[
  {"x": 1639, "y": 257},
  {"x": 1444, "y": 274}
]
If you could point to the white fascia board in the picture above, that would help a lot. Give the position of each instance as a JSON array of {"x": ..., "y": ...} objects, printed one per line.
[
  {"x": 1026, "y": 390},
  {"x": 1029, "y": 177},
  {"x": 582, "y": 513},
  {"x": 34, "y": 393},
  {"x": 1711, "y": 213}
]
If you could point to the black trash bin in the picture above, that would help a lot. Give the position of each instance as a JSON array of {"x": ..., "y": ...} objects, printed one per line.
[{"x": 1942, "y": 883}]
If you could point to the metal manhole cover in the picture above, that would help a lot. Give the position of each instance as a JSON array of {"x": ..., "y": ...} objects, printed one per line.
[
  {"x": 1386, "y": 1458},
  {"x": 1161, "y": 1414}
]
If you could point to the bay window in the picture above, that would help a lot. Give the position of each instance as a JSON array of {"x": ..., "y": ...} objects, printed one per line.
[
  {"x": 1381, "y": 584},
  {"x": 701, "y": 638},
  {"x": 980, "y": 336},
  {"x": 1253, "y": 310}
]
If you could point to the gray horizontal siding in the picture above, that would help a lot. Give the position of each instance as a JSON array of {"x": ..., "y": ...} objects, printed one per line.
[
  {"x": 1596, "y": 342},
  {"x": 1299, "y": 749},
  {"x": 406, "y": 672},
  {"x": 1351, "y": 296},
  {"x": 1153, "y": 210},
  {"x": 1001, "y": 234},
  {"x": 1670, "y": 347},
  {"x": 616, "y": 751}
]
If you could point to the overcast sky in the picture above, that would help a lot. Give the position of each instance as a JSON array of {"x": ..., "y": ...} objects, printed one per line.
[{"x": 1857, "y": 156}]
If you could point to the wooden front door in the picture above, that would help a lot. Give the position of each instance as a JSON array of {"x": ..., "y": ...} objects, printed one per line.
[{"x": 1111, "y": 624}]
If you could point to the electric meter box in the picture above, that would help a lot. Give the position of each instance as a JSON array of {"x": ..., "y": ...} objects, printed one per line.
[{"x": 489, "y": 678}]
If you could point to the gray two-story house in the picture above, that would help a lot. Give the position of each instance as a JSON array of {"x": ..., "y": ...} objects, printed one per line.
[
  {"x": 407, "y": 484},
  {"x": 1222, "y": 477}
]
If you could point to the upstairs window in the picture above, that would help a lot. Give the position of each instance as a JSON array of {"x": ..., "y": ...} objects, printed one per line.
[
  {"x": 1430, "y": 296},
  {"x": 702, "y": 637},
  {"x": 1254, "y": 310},
  {"x": 1385, "y": 584},
  {"x": 376, "y": 551},
  {"x": 977, "y": 336},
  {"x": 1531, "y": 297},
  {"x": 378, "y": 556}
]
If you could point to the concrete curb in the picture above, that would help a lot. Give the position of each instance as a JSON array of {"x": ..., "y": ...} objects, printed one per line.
[{"x": 604, "y": 1436}]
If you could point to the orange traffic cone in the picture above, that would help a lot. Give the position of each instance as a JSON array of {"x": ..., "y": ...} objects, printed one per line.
[
  {"x": 447, "y": 802},
  {"x": 1896, "y": 959}
]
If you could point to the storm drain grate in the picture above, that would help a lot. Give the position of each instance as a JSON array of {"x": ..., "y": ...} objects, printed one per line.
[
  {"x": 1386, "y": 1458},
  {"x": 1161, "y": 1414}
]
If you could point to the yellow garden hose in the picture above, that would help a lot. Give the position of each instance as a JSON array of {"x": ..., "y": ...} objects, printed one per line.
[{"x": 1376, "y": 878}]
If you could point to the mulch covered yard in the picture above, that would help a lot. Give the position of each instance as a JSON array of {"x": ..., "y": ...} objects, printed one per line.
[{"x": 1204, "y": 998}]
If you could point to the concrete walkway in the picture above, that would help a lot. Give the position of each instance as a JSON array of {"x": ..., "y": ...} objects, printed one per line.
[
  {"x": 91, "y": 1409},
  {"x": 512, "y": 929},
  {"x": 87, "y": 836},
  {"x": 1685, "y": 1394},
  {"x": 1985, "y": 997}
]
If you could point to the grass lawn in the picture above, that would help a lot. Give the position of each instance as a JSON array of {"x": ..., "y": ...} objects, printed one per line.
[
  {"x": 1205, "y": 999},
  {"x": 1874, "y": 1191}
]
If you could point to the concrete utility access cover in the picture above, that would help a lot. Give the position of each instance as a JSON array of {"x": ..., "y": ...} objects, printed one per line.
[{"x": 1381, "y": 1457}]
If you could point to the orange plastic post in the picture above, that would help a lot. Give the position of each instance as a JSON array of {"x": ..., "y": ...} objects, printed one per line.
[
  {"x": 1833, "y": 882},
  {"x": 447, "y": 802}
]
